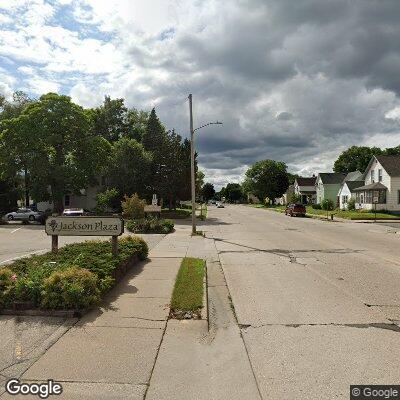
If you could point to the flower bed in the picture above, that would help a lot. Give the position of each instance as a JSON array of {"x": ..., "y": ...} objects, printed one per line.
[{"x": 75, "y": 278}]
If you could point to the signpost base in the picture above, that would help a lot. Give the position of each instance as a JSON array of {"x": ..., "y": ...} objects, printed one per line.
[
  {"x": 114, "y": 241},
  {"x": 54, "y": 244}
]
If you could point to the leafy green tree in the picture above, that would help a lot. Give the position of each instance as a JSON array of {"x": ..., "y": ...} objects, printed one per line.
[
  {"x": 355, "y": 158},
  {"x": 109, "y": 120},
  {"x": 292, "y": 178},
  {"x": 392, "y": 151},
  {"x": 199, "y": 180},
  {"x": 208, "y": 191},
  {"x": 137, "y": 122},
  {"x": 155, "y": 141},
  {"x": 51, "y": 140},
  {"x": 9, "y": 110},
  {"x": 106, "y": 200},
  {"x": 267, "y": 179},
  {"x": 129, "y": 169},
  {"x": 233, "y": 192}
]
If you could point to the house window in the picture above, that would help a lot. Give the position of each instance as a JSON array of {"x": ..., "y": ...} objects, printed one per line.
[
  {"x": 379, "y": 175},
  {"x": 372, "y": 176},
  {"x": 398, "y": 197},
  {"x": 362, "y": 199},
  {"x": 67, "y": 200}
]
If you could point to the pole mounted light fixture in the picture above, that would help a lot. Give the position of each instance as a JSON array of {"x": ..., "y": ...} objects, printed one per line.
[{"x": 192, "y": 169}]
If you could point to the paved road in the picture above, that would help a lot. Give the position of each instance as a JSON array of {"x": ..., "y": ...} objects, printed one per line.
[{"x": 317, "y": 301}]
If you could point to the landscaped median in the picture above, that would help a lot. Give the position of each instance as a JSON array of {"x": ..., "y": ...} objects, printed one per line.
[
  {"x": 188, "y": 294},
  {"x": 75, "y": 278}
]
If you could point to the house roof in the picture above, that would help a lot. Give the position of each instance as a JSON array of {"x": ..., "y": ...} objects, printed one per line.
[
  {"x": 391, "y": 164},
  {"x": 371, "y": 186},
  {"x": 354, "y": 184},
  {"x": 331, "y": 178},
  {"x": 353, "y": 176},
  {"x": 306, "y": 181}
]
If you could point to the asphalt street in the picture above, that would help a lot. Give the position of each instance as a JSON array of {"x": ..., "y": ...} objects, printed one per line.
[{"x": 318, "y": 302}]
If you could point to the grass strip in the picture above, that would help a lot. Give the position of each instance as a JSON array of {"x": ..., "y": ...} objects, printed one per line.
[{"x": 187, "y": 295}]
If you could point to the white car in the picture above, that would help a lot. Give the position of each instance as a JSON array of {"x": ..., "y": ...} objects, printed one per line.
[
  {"x": 24, "y": 214},
  {"x": 73, "y": 212}
]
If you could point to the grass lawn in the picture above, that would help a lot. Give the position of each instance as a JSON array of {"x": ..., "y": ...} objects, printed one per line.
[
  {"x": 353, "y": 215},
  {"x": 278, "y": 208},
  {"x": 188, "y": 290}
]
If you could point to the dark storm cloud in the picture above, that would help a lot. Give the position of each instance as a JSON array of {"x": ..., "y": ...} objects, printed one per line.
[{"x": 296, "y": 81}]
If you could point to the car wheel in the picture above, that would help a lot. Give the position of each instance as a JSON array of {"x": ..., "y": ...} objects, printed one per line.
[
  {"x": 31, "y": 218},
  {"x": 10, "y": 217}
]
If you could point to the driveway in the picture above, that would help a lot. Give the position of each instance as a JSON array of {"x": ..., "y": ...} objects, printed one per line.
[{"x": 317, "y": 302}]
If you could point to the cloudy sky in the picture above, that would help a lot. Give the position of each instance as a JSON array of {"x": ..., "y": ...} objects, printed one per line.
[{"x": 292, "y": 80}]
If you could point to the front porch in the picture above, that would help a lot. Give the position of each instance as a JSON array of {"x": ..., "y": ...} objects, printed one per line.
[{"x": 369, "y": 196}]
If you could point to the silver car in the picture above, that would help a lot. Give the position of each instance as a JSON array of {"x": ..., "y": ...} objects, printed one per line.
[{"x": 24, "y": 214}]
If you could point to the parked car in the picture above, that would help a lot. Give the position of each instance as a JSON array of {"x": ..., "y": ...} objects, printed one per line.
[
  {"x": 295, "y": 210},
  {"x": 24, "y": 214},
  {"x": 220, "y": 205},
  {"x": 73, "y": 212}
]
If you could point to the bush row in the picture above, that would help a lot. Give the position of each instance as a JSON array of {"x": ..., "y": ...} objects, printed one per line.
[
  {"x": 74, "y": 278},
  {"x": 150, "y": 225}
]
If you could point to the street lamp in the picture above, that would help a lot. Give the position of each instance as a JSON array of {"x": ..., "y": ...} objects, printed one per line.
[{"x": 192, "y": 172}]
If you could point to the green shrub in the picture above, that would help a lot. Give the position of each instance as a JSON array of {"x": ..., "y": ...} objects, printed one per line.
[
  {"x": 107, "y": 199},
  {"x": 351, "y": 205},
  {"x": 327, "y": 204},
  {"x": 7, "y": 286},
  {"x": 294, "y": 198},
  {"x": 133, "y": 207},
  {"x": 73, "y": 288},
  {"x": 135, "y": 244},
  {"x": 150, "y": 225},
  {"x": 316, "y": 206}
]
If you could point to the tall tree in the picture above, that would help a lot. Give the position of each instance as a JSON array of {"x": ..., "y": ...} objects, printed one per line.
[
  {"x": 51, "y": 139},
  {"x": 9, "y": 110},
  {"x": 233, "y": 192},
  {"x": 155, "y": 141},
  {"x": 355, "y": 158},
  {"x": 267, "y": 179},
  {"x": 129, "y": 170},
  {"x": 110, "y": 119},
  {"x": 208, "y": 191}
]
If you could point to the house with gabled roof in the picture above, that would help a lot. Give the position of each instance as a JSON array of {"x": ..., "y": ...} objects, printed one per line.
[
  {"x": 352, "y": 181},
  {"x": 305, "y": 188},
  {"x": 381, "y": 187},
  {"x": 327, "y": 186}
]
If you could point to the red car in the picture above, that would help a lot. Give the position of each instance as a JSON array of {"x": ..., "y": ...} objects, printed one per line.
[{"x": 295, "y": 210}]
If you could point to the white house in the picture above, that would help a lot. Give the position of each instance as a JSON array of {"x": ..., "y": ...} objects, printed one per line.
[
  {"x": 381, "y": 185},
  {"x": 305, "y": 188},
  {"x": 347, "y": 191}
]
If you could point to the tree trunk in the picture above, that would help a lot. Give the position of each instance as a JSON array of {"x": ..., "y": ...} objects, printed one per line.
[{"x": 26, "y": 187}]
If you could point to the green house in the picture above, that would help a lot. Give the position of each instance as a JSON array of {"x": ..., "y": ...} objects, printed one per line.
[{"x": 328, "y": 185}]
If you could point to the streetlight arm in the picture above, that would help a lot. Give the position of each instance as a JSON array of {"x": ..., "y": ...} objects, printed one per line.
[{"x": 210, "y": 123}]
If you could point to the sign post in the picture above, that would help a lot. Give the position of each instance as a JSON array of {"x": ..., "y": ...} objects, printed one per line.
[
  {"x": 84, "y": 226},
  {"x": 375, "y": 200}
]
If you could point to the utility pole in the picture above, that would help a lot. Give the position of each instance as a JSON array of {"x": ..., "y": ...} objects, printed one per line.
[{"x": 192, "y": 171}]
